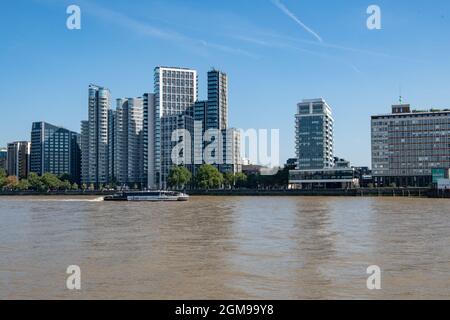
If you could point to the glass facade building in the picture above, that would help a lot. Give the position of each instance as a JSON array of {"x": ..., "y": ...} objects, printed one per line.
[
  {"x": 55, "y": 150},
  {"x": 95, "y": 138},
  {"x": 317, "y": 168},
  {"x": 148, "y": 136},
  {"x": 314, "y": 135},
  {"x": 217, "y": 104},
  {"x": 84, "y": 145},
  {"x": 128, "y": 142},
  {"x": 408, "y": 145},
  {"x": 3, "y": 156},
  {"x": 330, "y": 178},
  {"x": 212, "y": 116},
  {"x": 174, "y": 106},
  {"x": 18, "y": 159},
  {"x": 177, "y": 143},
  {"x": 176, "y": 90}
]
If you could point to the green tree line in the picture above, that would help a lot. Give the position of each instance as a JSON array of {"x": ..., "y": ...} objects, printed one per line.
[
  {"x": 35, "y": 182},
  {"x": 209, "y": 177}
]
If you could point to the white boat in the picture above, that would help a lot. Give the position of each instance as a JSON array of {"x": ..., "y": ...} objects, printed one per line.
[{"x": 153, "y": 196}]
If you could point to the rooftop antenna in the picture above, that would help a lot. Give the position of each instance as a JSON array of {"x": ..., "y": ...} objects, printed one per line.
[{"x": 400, "y": 96}]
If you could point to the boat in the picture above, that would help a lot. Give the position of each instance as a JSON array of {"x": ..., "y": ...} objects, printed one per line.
[{"x": 153, "y": 196}]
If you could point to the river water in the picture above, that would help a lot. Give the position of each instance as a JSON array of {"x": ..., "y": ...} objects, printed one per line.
[{"x": 225, "y": 248}]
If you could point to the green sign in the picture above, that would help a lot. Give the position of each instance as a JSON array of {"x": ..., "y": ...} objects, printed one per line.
[{"x": 438, "y": 174}]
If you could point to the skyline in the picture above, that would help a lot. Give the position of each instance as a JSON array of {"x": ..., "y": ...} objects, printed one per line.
[{"x": 272, "y": 64}]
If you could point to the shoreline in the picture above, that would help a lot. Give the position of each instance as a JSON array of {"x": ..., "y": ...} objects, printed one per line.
[{"x": 362, "y": 192}]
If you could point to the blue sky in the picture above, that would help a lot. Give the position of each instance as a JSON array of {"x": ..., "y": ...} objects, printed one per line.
[{"x": 273, "y": 61}]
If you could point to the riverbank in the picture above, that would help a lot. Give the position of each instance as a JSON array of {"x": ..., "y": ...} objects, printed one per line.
[{"x": 362, "y": 192}]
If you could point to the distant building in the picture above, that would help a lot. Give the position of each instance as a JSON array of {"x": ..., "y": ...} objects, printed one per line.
[
  {"x": 217, "y": 104},
  {"x": 95, "y": 133},
  {"x": 314, "y": 135},
  {"x": 232, "y": 161},
  {"x": 200, "y": 117},
  {"x": 317, "y": 168},
  {"x": 174, "y": 107},
  {"x": 18, "y": 159},
  {"x": 212, "y": 117},
  {"x": 245, "y": 161},
  {"x": 84, "y": 145},
  {"x": 3, "y": 156},
  {"x": 200, "y": 113},
  {"x": 341, "y": 176},
  {"x": 291, "y": 163},
  {"x": 364, "y": 175},
  {"x": 176, "y": 146},
  {"x": 176, "y": 90},
  {"x": 128, "y": 141},
  {"x": 326, "y": 178},
  {"x": 55, "y": 150},
  {"x": 252, "y": 169},
  {"x": 408, "y": 145},
  {"x": 341, "y": 163},
  {"x": 226, "y": 156},
  {"x": 149, "y": 133},
  {"x": 111, "y": 145}
]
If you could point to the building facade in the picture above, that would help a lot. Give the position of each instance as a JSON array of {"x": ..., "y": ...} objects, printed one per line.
[
  {"x": 221, "y": 145},
  {"x": 176, "y": 90},
  {"x": 18, "y": 159},
  {"x": 84, "y": 146},
  {"x": 199, "y": 113},
  {"x": 325, "y": 178},
  {"x": 217, "y": 104},
  {"x": 177, "y": 144},
  {"x": 174, "y": 107},
  {"x": 407, "y": 146},
  {"x": 128, "y": 142},
  {"x": 3, "y": 157},
  {"x": 231, "y": 151},
  {"x": 317, "y": 168},
  {"x": 314, "y": 135},
  {"x": 95, "y": 132},
  {"x": 55, "y": 150},
  {"x": 149, "y": 134},
  {"x": 111, "y": 146}
]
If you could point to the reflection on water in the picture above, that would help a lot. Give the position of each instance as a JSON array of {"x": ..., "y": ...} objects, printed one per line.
[{"x": 225, "y": 248}]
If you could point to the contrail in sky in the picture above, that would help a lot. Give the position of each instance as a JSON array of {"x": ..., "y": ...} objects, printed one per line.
[
  {"x": 143, "y": 28},
  {"x": 287, "y": 12}
]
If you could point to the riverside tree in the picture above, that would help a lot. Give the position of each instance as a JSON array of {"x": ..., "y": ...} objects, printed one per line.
[
  {"x": 240, "y": 179},
  {"x": 208, "y": 177},
  {"x": 35, "y": 182},
  {"x": 234, "y": 179},
  {"x": 65, "y": 185},
  {"x": 2, "y": 178},
  {"x": 51, "y": 181},
  {"x": 229, "y": 179},
  {"x": 23, "y": 185},
  {"x": 179, "y": 176},
  {"x": 12, "y": 182}
]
